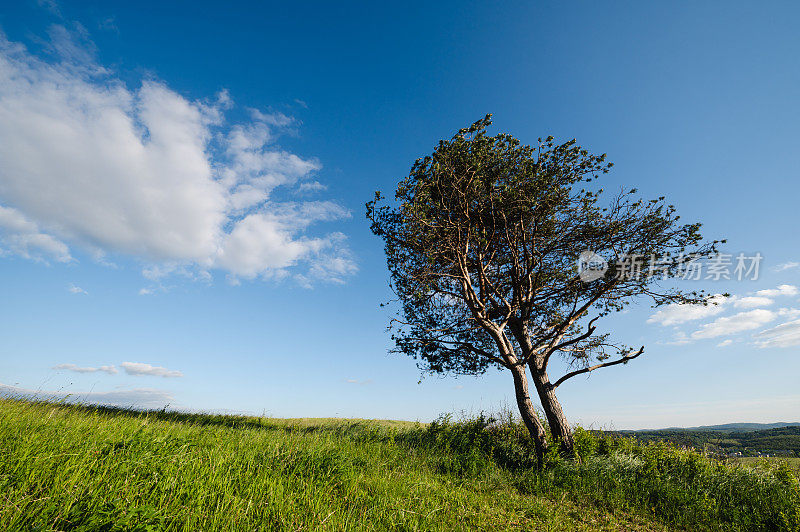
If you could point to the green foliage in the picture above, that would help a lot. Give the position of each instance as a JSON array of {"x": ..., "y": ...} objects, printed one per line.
[
  {"x": 473, "y": 447},
  {"x": 83, "y": 468},
  {"x": 586, "y": 444},
  {"x": 485, "y": 232},
  {"x": 680, "y": 487}
]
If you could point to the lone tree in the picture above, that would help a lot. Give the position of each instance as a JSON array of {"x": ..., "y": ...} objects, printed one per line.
[{"x": 482, "y": 245}]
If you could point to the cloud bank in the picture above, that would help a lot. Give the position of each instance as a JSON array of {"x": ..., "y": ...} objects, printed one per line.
[
  {"x": 87, "y": 161},
  {"x": 143, "y": 398}
]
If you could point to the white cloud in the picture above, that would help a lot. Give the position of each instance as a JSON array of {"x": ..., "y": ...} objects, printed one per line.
[
  {"x": 138, "y": 368},
  {"x": 148, "y": 173},
  {"x": 146, "y": 291},
  {"x": 680, "y": 339},
  {"x": 752, "y": 302},
  {"x": 781, "y": 290},
  {"x": 674, "y": 314},
  {"x": 23, "y": 237},
  {"x": 311, "y": 186},
  {"x": 76, "y": 290},
  {"x": 725, "y": 343},
  {"x": 786, "y": 266},
  {"x": 262, "y": 241},
  {"x": 135, "y": 398},
  {"x": 744, "y": 321},
  {"x": 784, "y": 335},
  {"x": 790, "y": 313},
  {"x": 111, "y": 370}
]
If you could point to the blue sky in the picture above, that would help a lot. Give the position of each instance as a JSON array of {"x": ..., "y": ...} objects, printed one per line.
[{"x": 182, "y": 190}]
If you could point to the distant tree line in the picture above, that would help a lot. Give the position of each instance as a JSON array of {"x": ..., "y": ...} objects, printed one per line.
[{"x": 783, "y": 441}]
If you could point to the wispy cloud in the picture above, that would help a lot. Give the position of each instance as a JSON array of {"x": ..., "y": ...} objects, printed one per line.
[
  {"x": 786, "y": 266},
  {"x": 76, "y": 290},
  {"x": 784, "y": 335},
  {"x": 780, "y": 291},
  {"x": 312, "y": 186},
  {"x": 108, "y": 24},
  {"x": 681, "y": 338},
  {"x": 357, "y": 381},
  {"x": 51, "y": 6},
  {"x": 675, "y": 314},
  {"x": 138, "y": 369},
  {"x": 111, "y": 370},
  {"x": 743, "y": 321}
]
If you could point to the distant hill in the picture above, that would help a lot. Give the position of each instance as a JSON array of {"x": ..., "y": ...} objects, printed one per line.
[
  {"x": 748, "y": 439},
  {"x": 730, "y": 427}
]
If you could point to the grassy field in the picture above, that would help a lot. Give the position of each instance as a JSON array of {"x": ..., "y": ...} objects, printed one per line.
[{"x": 82, "y": 468}]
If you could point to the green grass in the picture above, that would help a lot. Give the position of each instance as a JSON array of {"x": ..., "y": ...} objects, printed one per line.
[
  {"x": 791, "y": 463},
  {"x": 83, "y": 468}
]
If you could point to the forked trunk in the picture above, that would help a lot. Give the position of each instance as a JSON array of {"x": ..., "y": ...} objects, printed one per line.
[
  {"x": 526, "y": 410},
  {"x": 559, "y": 426}
]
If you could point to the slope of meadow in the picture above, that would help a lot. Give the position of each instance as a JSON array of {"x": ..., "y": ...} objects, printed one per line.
[{"x": 83, "y": 468}]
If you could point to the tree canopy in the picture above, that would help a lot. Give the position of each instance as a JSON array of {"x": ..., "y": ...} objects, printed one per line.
[{"x": 482, "y": 243}]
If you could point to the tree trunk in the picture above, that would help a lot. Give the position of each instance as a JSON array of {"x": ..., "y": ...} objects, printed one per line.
[
  {"x": 559, "y": 426},
  {"x": 529, "y": 417}
]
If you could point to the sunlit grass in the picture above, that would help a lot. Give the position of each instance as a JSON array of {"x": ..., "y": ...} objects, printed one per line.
[
  {"x": 83, "y": 468},
  {"x": 752, "y": 461}
]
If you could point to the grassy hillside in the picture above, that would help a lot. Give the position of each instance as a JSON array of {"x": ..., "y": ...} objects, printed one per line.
[{"x": 82, "y": 468}]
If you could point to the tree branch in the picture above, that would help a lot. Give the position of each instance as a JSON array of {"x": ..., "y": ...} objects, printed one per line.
[
  {"x": 589, "y": 331},
  {"x": 622, "y": 360}
]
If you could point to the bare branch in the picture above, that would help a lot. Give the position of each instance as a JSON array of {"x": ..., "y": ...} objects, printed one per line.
[{"x": 622, "y": 360}]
